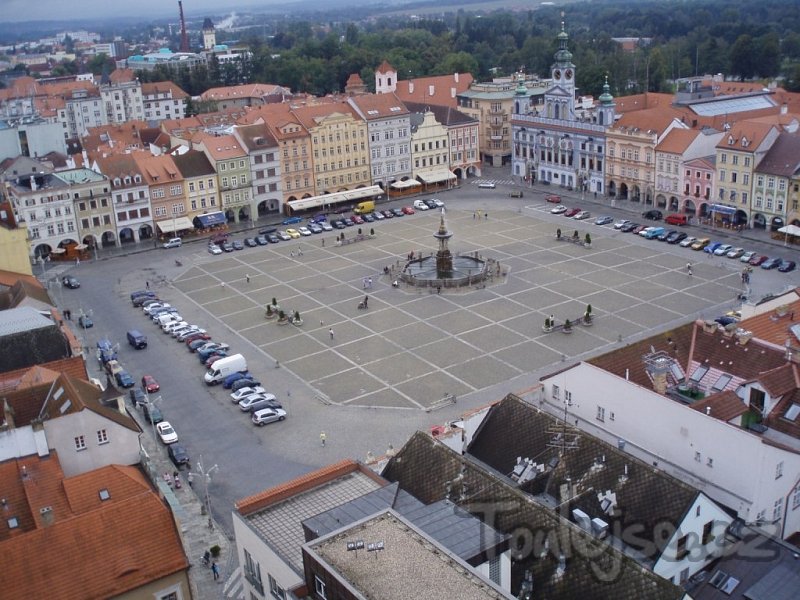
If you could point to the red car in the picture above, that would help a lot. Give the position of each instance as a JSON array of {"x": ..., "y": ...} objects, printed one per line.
[
  {"x": 358, "y": 219},
  {"x": 212, "y": 359},
  {"x": 758, "y": 259},
  {"x": 553, "y": 198},
  {"x": 196, "y": 336},
  {"x": 408, "y": 210},
  {"x": 150, "y": 384},
  {"x": 571, "y": 212}
]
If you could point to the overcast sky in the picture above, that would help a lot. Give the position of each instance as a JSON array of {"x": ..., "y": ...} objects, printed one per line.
[{"x": 40, "y": 10}]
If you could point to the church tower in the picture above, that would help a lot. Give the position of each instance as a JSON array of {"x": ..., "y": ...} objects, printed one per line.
[
  {"x": 385, "y": 79},
  {"x": 559, "y": 100},
  {"x": 209, "y": 36},
  {"x": 606, "y": 111}
]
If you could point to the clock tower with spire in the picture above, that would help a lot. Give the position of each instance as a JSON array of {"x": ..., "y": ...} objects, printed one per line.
[{"x": 559, "y": 100}]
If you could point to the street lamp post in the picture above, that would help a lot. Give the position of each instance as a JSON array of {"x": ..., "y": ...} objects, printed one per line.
[
  {"x": 205, "y": 475},
  {"x": 150, "y": 403}
]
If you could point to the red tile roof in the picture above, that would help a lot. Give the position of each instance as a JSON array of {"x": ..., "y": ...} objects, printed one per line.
[
  {"x": 441, "y": 90},
  {"x": 125, "y": 543},
  {"x": 768, "y": 326},
  {"x": 677, "y": 141},
  {"x": 161, "y": 87},
  {"x": 752, "y": 131},
  {"x": 781, "y": 380}
]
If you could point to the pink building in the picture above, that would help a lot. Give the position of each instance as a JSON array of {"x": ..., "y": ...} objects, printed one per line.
[{"x": 698, "y": 184}]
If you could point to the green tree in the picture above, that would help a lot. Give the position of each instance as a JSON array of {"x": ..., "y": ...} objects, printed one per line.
[
  {"x": 768, "y": 55},
  {"x": 743, "y": 59}
]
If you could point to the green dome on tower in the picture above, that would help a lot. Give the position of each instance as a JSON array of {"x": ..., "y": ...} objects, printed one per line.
[{"x": 606, "y": 97}]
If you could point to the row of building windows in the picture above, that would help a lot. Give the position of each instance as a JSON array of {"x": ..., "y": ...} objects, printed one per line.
[{"x": 80, "y": 440}]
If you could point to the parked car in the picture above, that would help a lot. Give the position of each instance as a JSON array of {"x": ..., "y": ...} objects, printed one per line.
[
  {"x": 214, "y": 249},
  {"x": 214, "y": 358},
  {"x": 238, "y": 245},
  {"x": 283, "y": 236},
  {"x": 700, "y": 244},
  {"x": 735, "y": 252},
  {"x": 244, "y": 392},
  {"x": 357, "y": 219},
  {"x": 603, "y": 220},
  {"x": 722, "y": 249},
  {"x": 368, "y": 217},
  {"x": 304, "y": 231},
  {"x": 137, "y": 397},
  {"x": 437, "y": 203},
  {"x": 398, "y": 212},
  {"x": 639, "y": 229},
  {"x": 620, "y": 224},
  {"x": 194, "y": 334},
  {"x": 758, "y": 260},
  {"x": 150, "y": 384},
  {"x": 268, "y": 415},
  {"x": 408, "y": 210},
  {"x": 326, "y": 226},
  {"x": 250, "y": 242},
  {"x": 771, "y": 263},
  {"x": 629, "y": 227},
  {"x": 553, "y": 198},
  {"x": 487, "y": 185},
  {"x": 557, "y": 210},
  {"x": 85, "y": 321},
  {"x": 124, "y": 379},
  {"x": 70, "y": 282},
  {"x": 665, "y": 235},
  {"x": 711, "y": 247},
  {"x": 166, "y": 432},
  {"x": 688, "y": 241},
  {"x": 247, "y": 403},
  {"x": 387, "y": 214},
  {"x": 262, "y": 240},
  {"x": 227, "y": 247},
  {"x": 378, "y": 215},
  {"x": 195, "y": 344},
  {"x": 244, "y": 383},
  {"x": 652, "y": 215},
  {"x": 178, "y": 455},
  {"x": 676, "y": 237},
  {"x": 152, "y": 414},
  {"x": 745, "y": 258},
  {"x": 786, "y": 266},
  {"x": 420, "y": 205},
  {"x": 571, "y": 212},
  {"x": 233, "y": 378},
  {"x": 314, "y": 228},
  {"x": 273, "y": 238},
  {"x": 292, "y": 220},
  {"x": 584, "y": 214}
]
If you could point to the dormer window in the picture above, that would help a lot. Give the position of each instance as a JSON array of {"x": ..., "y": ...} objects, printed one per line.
[
  {"x": 127, "y": 181},
  {"x": 117, "y": 182},
  {"x": 730, "y": 140}
]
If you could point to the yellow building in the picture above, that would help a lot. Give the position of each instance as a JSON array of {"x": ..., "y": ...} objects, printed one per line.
[
  {"x": 338, "y": 145},
  {"x": 429, "y": 150},
  {"x": 15, "y": 250}
]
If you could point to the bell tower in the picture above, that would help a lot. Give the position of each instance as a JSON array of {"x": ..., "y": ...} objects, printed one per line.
[{"x": 560, "y": 98}]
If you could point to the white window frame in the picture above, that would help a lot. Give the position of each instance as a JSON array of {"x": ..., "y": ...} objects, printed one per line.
[
  {"x": 102, "y": 436},
  {"x": 319, "y": 587},
  {"x": 80, "y": 443}
]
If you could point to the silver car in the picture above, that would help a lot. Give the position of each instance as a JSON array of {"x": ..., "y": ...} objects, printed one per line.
[{"x": 268, "y": 415}]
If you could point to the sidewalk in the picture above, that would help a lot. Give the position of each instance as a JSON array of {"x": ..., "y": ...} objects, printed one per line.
[{"x": 198, "y": 531}]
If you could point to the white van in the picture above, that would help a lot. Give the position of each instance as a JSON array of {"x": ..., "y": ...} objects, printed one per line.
[
  {"x": 225, "y": 367},
  {"x": 173, "y": 243}
]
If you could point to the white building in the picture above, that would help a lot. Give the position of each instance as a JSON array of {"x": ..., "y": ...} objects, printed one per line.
[
  {"x": 122, "y": 96},
  {"x": 163, "y": 100},
  {"x": 389, "y": 128},
  {"x": 682, "y": 402},
  {"x": 265, "y": 166}
]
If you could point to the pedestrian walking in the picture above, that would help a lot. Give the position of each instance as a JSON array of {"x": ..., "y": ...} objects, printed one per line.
[
  {"x": 553, "y": 319},
  {"x": 147, "y": 285},
  {"x": 366, "y": 301},
  {"x": 474, "y": 216},
  {"x": 486, "y": 216},
  {"x": 77, "y": 262},
  {"x": 369, "y": 283},
  {"x": 291, "y": 254},
  {"x": 247, "y": 277},
  {"x": 215, "y": 570},
  {"x": 330, "y": 331},
  {"x": 323, "y": 242},
  {"x": 190, "y": 478},
  {"x": 322, "y": 438},
  {"x": 299, "y": 252},
  {"x": 689, "y": 268}
]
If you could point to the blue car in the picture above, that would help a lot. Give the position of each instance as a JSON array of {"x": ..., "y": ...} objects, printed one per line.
[
  {"x": 292, "y": 220},
  {"x": 233, "y": 378}
]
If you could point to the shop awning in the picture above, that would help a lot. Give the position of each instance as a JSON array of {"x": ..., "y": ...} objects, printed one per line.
[
  {"x": 792, "y": 230},
  {"x": 402, "y": 185},
  {"x": 722, "y": 209},
  {"x": 209, "y": 219},
  {"x": 436, "y": 175},
  {"x": 335, "y": 198},
  {"x": 57, "y": 251},
  {"x": 81, "y": 247},
  {"x": 171, "y": 225}
]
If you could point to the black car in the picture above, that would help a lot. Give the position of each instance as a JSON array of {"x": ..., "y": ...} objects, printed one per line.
[
  {"x": 267, "y": 230},
  {"x": 786, "y": 266},
  {"x": 628, "y": 227},
  {"x": 249, "y": 242},
  {"x": 152, "y": 414},
  {"x": 273, "y": 238},
  {"x": 243, "y": 383},
  {"x": 369, "y": 217},
  {"x": 178, "y": 455},
  {"x": 70, "y": 282},
  {"x": 349, "y": 222},
  {"x": 237, "y": 245},
  {"x": 261, "y": 240},
  {"x": 338, "y": 224},
  {"x": 194, "y": 345},
  {"x": 137, "y": 397},
  {"x": 676, "y": 237},
  {"x": 388, "y": 214},
  {"x": 431, "y": 204},
  {"x": 227, "y": 247},
  {"x": 653, "y": 215},
  {"x": 726, "y": 320},
  {"x": 665, "y": 236},
  {"x": 398, "y": 212}
]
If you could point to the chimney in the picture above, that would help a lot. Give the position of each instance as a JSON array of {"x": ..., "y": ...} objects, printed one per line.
[
  {"x": 708, "y": 410},
  {"x": 85, "y": 156},
  {"x": 784, "y": 108},
  {"x": 452, "y": 92},
  {"x": 455, "y": 76},
  {"x": 33, "y": 184},
  {"x": 431, "y": 90},
  {"x": 410, "y": 87},
  {"x": 660, "y": 382},
  {"x": 47, "y": 515},
  {"x": 24, "y": 472}
]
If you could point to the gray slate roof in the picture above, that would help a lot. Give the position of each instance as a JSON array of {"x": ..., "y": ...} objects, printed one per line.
[{"x": 452, "y": 527}]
